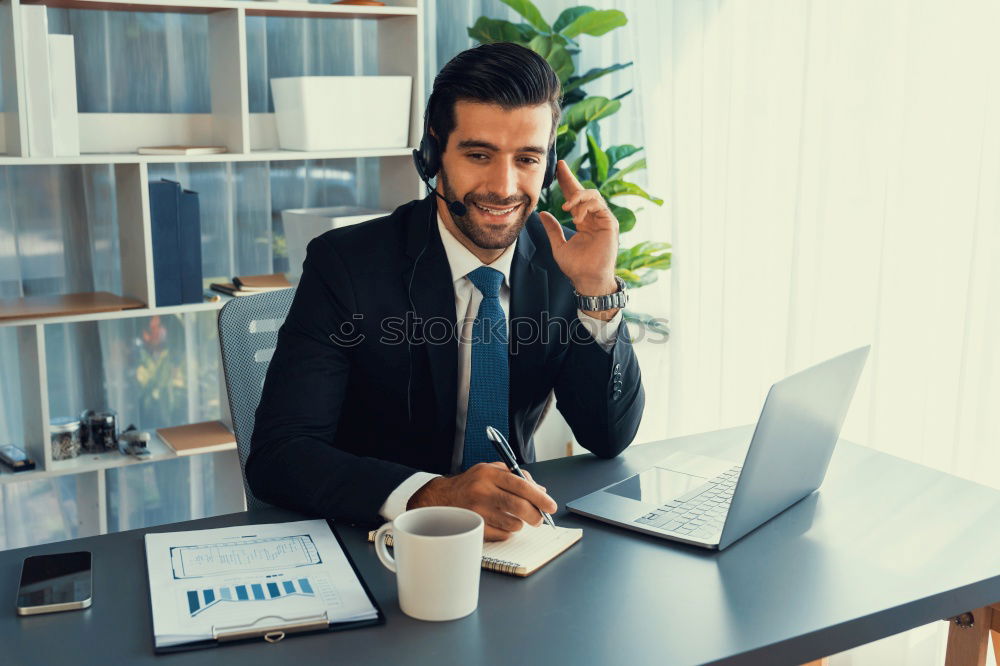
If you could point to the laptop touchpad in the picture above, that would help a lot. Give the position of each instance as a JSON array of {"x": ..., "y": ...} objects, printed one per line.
[{"x": 656, "y": 486}]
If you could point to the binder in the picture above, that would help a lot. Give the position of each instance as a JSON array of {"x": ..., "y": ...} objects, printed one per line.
[
  {"x": 274, "y": 628},
  {"x": 189, "y": 235},
  {"x": 165, "y": 220}
]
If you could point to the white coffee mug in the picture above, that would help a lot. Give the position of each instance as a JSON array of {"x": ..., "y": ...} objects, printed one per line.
[{"x": 438, "y": 555}]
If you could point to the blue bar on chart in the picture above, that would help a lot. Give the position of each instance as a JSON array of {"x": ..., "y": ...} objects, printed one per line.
[{"x": 200, "y": 600}]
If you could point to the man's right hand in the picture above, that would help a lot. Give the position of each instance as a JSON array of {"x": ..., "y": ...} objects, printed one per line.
[{"x": 503, "y": 499}]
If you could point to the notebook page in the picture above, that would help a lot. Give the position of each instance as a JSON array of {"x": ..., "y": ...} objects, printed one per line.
[{"x": 531, "y": 547}]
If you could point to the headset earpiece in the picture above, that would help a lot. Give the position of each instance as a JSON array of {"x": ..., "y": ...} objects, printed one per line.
[
  {"x": 550, "y": 167},
  {"x": 427, "y": 156}
]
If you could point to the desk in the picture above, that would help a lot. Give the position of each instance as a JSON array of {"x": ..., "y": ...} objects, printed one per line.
[{"x": 886, "y": 545}]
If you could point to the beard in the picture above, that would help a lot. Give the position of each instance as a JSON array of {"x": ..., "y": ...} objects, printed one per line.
[{"x": 483, "y": 235}]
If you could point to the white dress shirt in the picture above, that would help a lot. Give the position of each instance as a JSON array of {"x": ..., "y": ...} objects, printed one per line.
[{"x": 467, "y": 300}]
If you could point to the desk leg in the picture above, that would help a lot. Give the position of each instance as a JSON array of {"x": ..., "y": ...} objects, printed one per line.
[{"x": 969, "y": 634}]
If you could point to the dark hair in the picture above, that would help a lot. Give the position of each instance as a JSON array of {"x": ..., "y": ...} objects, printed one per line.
[{"x": 501, "y": 73}]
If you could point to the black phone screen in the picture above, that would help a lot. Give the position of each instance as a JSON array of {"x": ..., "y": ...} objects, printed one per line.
[{"x": 55, "y": 579}]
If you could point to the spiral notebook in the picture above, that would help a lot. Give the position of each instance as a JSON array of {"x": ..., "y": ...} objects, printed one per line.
[{"x": 525, "y": 552}]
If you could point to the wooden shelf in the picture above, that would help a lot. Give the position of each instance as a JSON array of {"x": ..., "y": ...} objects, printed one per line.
[
  {"x": 133, "y": 313},
  {"x": 252, "y": 156},
  {"x": 291, "y": 9},
  {"x": 30, "y": 308},
  {"x": 94, "y": 462}
]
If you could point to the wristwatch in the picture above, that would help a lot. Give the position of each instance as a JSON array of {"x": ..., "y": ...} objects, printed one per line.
[{"x": 606, "y": 302}]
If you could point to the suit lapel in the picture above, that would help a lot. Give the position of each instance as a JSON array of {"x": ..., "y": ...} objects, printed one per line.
[
  {"x": 529, "y": 298},
  {"x": 432, "y": 296}
]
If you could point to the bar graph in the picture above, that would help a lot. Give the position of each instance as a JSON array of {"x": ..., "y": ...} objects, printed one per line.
[{"x": 264, "y": 590}]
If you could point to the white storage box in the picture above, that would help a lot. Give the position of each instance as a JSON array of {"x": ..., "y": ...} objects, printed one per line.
[
  {"x": 341, "y": 112},
  {"x": 304, "y": 224}
]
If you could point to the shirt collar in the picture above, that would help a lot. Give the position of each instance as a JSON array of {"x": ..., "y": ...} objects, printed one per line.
[{"x": 463, "y": 262}]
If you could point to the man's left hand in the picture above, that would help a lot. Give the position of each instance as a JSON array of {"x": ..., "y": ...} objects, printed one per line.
[{"x": 588, "y": 258}]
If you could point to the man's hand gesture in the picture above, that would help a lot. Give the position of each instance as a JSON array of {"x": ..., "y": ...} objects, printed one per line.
[{"x": 588, "y": 258}]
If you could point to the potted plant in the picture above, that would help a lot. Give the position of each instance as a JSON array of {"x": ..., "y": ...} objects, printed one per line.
[{"x": 578, "y": 137}]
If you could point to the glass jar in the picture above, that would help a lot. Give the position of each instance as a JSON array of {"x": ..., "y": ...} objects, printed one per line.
[
  {"x": 99, "y": 430},
  {"x": 64, "y": 438}
]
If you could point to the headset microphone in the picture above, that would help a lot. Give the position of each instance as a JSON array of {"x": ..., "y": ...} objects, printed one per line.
[{"x": 457, "y": 208}]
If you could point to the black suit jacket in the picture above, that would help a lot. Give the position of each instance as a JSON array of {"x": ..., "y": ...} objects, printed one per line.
[{"x": 350, "y": 409}]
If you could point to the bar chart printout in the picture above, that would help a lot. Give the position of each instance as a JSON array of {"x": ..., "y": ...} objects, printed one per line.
[
  {"x": 262, "y": 590},
  {"x": 239, "y": 577}
]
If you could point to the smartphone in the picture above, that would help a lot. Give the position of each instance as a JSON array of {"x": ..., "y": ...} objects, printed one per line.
[{"x": 52, "y": 583}]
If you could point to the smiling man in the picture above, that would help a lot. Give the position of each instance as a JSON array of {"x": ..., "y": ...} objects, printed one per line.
[{"x": 409, "y": 334}]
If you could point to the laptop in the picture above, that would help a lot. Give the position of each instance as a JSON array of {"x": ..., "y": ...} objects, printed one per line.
[{"x": 711, "y": 503}]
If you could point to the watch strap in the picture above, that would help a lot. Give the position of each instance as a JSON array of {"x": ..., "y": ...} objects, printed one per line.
[{"x": 612, "y": 301}]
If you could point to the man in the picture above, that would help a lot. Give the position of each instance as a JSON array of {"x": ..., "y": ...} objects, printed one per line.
[{"x": 409, "y": 334}]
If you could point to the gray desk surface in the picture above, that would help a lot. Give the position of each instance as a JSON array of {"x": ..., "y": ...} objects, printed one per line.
[{"x": 885, "y": 545}]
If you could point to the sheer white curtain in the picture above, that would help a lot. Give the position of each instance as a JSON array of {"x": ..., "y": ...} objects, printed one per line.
[{"x": 832, "y": 172}]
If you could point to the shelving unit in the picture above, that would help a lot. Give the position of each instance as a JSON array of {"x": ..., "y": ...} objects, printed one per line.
[{"x": 111, "y": 139}]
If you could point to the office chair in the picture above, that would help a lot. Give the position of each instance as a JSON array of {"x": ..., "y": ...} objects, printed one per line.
[{"x": 248, "y": 333}]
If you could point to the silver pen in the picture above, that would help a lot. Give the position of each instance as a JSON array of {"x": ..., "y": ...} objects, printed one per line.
[{"x": 507, "y": 454}]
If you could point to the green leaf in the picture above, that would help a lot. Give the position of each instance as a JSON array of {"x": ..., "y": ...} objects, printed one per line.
[
  {"x": 489, "y": 31},
  {"x": 568, "y": 16},
  {"x": 594, "y": 129},
  {"x": 530, "y": 13},
  {"x": 623, "y": 95},
  {"x": 576, "y": 81},
  {"x": 595, "y": 23},
  {"x": 577, "y": 163},
  {"x": 642, "y": 254},
  {"x": 588, "y": 110},
  {"x": 555, "y": 54},
  {"x": 625, "y": 217},
  {"x": 630, "y": 277},
  {"x": 638, "y": 165},
  {"x": 572, "y": 97},
  {"x": 660, "y": 263},
  {"x": 565, "y": 143},
  {"x": 616, "y": 188},
  {"x": 598, "y": 159},
  {"x": 618, "y": 153}
]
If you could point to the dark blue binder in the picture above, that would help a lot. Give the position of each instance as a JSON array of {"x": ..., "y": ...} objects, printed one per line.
[
  {"x": 164, "y": 197},
  {"x": 190, "y": 248}
]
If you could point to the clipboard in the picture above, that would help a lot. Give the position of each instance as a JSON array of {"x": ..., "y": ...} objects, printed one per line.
[{"x": 274, "y": 628}]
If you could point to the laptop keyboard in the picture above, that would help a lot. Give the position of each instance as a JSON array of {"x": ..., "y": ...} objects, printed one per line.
[{"x": 699, "y": 513}]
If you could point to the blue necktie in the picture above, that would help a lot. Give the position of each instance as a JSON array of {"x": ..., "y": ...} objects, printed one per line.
[{"x": 490, "y": 373}]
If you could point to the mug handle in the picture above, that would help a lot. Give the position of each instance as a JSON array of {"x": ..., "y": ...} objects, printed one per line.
[{"x": 382, "y": 550}]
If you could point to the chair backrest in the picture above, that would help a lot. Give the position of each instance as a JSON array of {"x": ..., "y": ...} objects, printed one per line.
[{"x": 248, "y": 333}]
